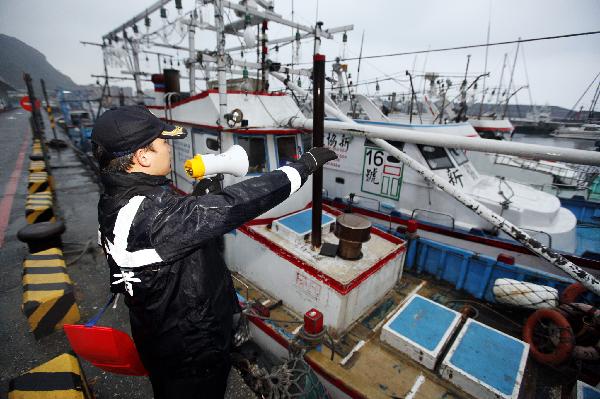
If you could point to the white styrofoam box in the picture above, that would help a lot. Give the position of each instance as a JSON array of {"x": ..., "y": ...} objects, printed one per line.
[
  {"x": 585, "y": 391},
  {"x": 485, "y": 363},
  {"x": 296, "y": 226},
  {"x": 420, "y": 329}
]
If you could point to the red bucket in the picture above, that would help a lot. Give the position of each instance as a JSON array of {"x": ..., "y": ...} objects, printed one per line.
[{"x": 106, "y": 348}]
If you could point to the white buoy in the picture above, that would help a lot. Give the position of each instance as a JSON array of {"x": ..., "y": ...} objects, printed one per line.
[{"x": 526, "y": 295}]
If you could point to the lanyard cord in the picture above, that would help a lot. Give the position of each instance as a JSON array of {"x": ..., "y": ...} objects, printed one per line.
[{"x": 95, "y": 319}]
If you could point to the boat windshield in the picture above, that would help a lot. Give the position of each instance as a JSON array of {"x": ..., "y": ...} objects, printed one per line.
[
  {"x": 286, "y": 150},
  {"x": 436, "y": 157},
  {"x": 459, "y": 155},
  {"x": 256, "y": 149}
]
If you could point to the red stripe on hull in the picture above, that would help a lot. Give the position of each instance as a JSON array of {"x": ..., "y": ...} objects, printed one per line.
[
  {"x": 494, "y": 129},
  {"x": 205, "y": 94},
  {"x": 217, "y": 128}
]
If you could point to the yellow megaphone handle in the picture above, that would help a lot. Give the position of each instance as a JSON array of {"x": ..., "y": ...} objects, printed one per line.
[{"x": 195, "y": 167}]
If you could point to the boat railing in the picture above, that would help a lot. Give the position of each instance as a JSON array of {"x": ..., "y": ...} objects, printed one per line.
[
  {"x": 558, "y": 189},
  {"x": 542, "y": 233},
  {"x": 233, "y": 275},
  {"x": 571, "y": 175},
  {"x": 415, "y": 211},
  {"x": 381, "y": 207}
]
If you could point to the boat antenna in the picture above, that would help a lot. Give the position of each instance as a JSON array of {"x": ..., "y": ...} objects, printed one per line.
[
  {"x": 487, "y": 47},
  {"x": 510, "y": 82}
]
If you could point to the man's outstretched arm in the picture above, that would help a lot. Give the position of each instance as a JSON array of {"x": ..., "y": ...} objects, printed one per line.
[{"x": 184, "y": 223}]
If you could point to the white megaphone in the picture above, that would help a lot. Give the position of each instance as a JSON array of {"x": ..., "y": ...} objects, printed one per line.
[{"x": 234, "y": 162}]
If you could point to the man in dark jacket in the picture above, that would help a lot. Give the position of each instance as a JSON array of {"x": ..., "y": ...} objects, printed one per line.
[{"x": 162, "y": 253}]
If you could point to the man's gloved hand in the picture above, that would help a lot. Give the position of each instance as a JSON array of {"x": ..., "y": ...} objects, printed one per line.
[
  {"x": 316, "y": 157},
  {"x": 208, "y": 185}
]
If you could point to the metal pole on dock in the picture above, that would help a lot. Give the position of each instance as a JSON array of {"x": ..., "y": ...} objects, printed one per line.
[
  {"x": 318, "y": 124},
  {"x": 35, "y": 112},
  {"x": 48, "y": 108}
]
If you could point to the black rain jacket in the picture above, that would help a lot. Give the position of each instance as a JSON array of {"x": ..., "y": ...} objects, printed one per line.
[{"x": 178, "y": 289}]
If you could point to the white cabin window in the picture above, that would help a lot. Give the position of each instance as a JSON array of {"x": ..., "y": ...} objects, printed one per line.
[
  {"x": 287, "y": 150},
  {"x": 256, "y": 148},
  {"x": 459, "y": 156},
  {"x": 436, "y": 157}
]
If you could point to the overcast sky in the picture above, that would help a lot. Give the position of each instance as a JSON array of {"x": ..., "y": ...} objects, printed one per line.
[{"x": 558, "y": 70}]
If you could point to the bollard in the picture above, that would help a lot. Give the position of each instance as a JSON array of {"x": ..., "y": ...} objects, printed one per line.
[
  {"x": 41, "y": 236},
  {"x": 48, "y": 295},
  {"x": 61, "y": 377}
]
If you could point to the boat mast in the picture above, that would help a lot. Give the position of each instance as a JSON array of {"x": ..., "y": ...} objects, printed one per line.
[
  {"x": 317, "y": 141},
  {"x": 192, "y": 50},
  {"x": 512, "y": 74},
  {"x": 220, "y": 29},
  {"x": 487, "y": 46},
  {"x": 362, "y": 41},
  {"x": 500, "y": 86},
  {"x": 139, "y": 94},
  {"x": 594, "y": 102},
  {"x": 533, "y": 106}
]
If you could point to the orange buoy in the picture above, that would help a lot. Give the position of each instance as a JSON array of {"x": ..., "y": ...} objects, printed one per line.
[
  {"x": 554, "y": 344},
  {"x": 570, "y": 294}
]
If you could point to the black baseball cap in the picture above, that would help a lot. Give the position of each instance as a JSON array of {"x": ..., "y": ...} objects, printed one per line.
[{"x": 124, "y": 130}]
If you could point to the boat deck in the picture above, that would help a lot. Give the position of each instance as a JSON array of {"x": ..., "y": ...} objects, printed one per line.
[
  {"x": 342, "y": 271},
  {"x": 373, "y": 369}
]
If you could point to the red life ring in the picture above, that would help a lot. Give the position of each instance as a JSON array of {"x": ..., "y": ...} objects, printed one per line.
[
  {"x": 566, "y": 340},
  {"x": 570, "y": 294}
]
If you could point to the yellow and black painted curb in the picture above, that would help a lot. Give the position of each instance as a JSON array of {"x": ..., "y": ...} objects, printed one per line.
[
  {"x": 38, "y": 182},
  {"x": 37, "y": 166},
  {"x": 39, "y": 209},
  {"x": 37, "y": 197},
  {"x": 37, "y": 146},
  {"x": 61, "y": 377},
  {"x": 48, "y": 295}
]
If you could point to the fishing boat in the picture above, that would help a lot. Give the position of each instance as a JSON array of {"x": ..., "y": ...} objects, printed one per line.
[
  {"x": 587, "y": 131},
  {"x": 288, "y": 286},
  {"x": 344, "y": 308},
  {"x": 351, "y": 185}
]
